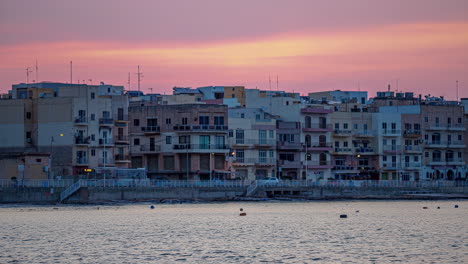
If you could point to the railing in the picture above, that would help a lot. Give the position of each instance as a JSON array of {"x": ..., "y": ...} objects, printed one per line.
[
  {"x": 391, "y": 132},
  {"x": 106, "y": 141},
  {"x": 199, "y": 146},
  {"x": 36, "y": 183},
  {"x": 263, "y": 141},
  {"x": 445, "y": 143},
  {"x": 148, "y": 183},
  {"x": 343, "y": 168},
  {"x": 81, "y": 120},
  {"x": 120, "y": 157},
  {"x": 343, "y": 150},
  {"x": 81, "y": 161},
  {"x": 121, "y": 118},
  {"x": 391, "y": 148},
  {"x": 255, "y": 160},
  {"x": 151, "y": 129},
  {"x": 412, "y": 164},
  {"x": 290, "y": 164},
  {"x": 150, "y": 148},
  {"x": 439, "y": 126},
  {"x": 412, "y": 133},
  {"x": 106, "y": 121},
  {"x": 454, "y": 160},
  {"x": 121, "y": 138},
  {"x": 81, "y": 140},
  {"x": 289, "y": 145},
  {"x": 317, "y": 127},
  {"x": 389, "y": 165},
  {"x": 252, "y": 188},
  {"x": 316, "y": 110},
  {"x": 70, "y": 190},
  {"x": 343, "y": 132},
  {"x": 364, "y": 133},
  {"x": 413, "y": 148},
  {"x": 364, "y": 150},
  {"x": 321, "y": 145},
  {"x": 200, "y": 127}
]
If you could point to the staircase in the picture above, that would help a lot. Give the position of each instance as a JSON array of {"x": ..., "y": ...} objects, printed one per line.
[
  {"x": 70, "y": 190},
  {"x": 252, "y": 189}
]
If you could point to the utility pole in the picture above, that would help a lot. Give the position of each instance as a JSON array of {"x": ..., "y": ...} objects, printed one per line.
[
  {"x": 128, "y": 82},
  {"x": 71, "y": 72},
  {"x": 37, "y": 72},
  {"x": 456, "y": 83}
]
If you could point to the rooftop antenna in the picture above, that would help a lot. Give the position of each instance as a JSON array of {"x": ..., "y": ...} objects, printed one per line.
[
  {"x": 37, "y": 72},
  {"x": 128, "y": 82},
  {"x": 151, "y": 89},
  {"x": 140, "y": 75},
  {"x": 359, "y": 86},
  {"x": 397, "y": 85},
  {"x": 456, "y": 84},
  {"x": 269, "y": 80},
  {"x": 71, "y": 72},
  {"x": 28, "y": 71},
  {"x": 277, "y": 83}
]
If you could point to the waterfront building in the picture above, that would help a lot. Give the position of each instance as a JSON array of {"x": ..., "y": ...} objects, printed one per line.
[
  {"x": 340, "y": 96},
  {"x": 82, "y": 126},
  {"x": 252, "y": 138},
  {"x": 186, "y": 141},
  {"x": 21, "y": 167}
]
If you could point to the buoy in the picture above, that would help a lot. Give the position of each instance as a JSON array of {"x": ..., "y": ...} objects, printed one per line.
[
  {"x": 424, "y": 207},
  {"x": 357, "y": 211},
  {"x": 242, "y": 213},
  {"x": 343, "y": 216},
  {"x": 456, "y": 206},
  {"x": 438, "y": 207},
  {"x": 152, "y": 207}
]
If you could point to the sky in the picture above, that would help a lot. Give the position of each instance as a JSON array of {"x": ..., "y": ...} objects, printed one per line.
[{"x": 300, "y": 45}]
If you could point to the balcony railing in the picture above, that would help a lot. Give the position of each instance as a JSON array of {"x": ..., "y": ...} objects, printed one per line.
[
  {"x": 106, "y": 121},
  {"x": 262, "y": 141},
  {"x": 120, "y": 157},
  {"x": 150, "y": 148},
  {"x": 81, "y": 120},
  {"x": 389, "y": 165},
  {"x": 342, "y": 133},
  {"x": 413, "y": 148},
  {"x": 287, "y": 164},
  {"x": 317, "y": 128},
  {"x": 412, "y": 133},
  {"x": 81, "y": 160},
  {"x": 412, "y": 164},
  {"x": 200, "y": 128},
  {"x": 266, "y": 161},
  {"x": 324, "y": 146},
  {"x": 121, "y": 118},
  {"x": 121, "y": 138},
  {"x": 364, "y": 150},
  {"x": 316, "y": 110},
  {"x": 151, "y": 129},
  {"x": 392, "y": 148},
  {"x": 106, "y": 141},
  {"x": 200, "y": 146},
  {"x": 439, "y": 126},
  {"x": 80, "y": 140},
  {"x": 289, "y": 145},
  {"x": 345, "y": 150},
  {"x": 449, "y": 144},
  {"x": 364, "y": 133},
  {"x": 318, "y": 165},
  {"x": 343, "y": 168},
  {"x": 391, "y": 132}
]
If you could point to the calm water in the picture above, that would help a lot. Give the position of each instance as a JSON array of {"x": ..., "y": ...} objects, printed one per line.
[{"x": 272, "y": 232}]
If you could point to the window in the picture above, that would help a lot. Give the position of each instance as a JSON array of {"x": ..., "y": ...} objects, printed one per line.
[
  {"x": 108, "y": 90},
  {"x": 39, "y": 160},
  {"x": 168, "y": 140},
  {"x": 28, "y": 135},
  {"x": 345, "y": 144},
  {"x": 262, "y": 136},
  {"x": 308, "y": 122},
  {"x": 437, "y": 120},
  {"x": 393, "y": 126},
  {"x": 152, "y": 122},
  {"x": 416, "y": 158},
  {"x": 136, "y": 122},
  {"x": 204, "y": 120},
  {"x": 168, "y": 162},
  {"x": 233, "y": 96},
  {"x": 363, "y": 162},
  {"x": 93, "y": 137},
  {"x": 426, "y": 154},
  {"x": 426, "y": 119},
  {"x": 28, "y": 115},
  {"x": 272, "y": 154},
  {"x": 219, "y": 120},
  {"x": 219, "y": 142},
  {"x": 184, "y": 121},
  {"x": 93, "y": 117},
  {"x": 459, "y": 155},
  {"x": 168, "y": 121},
  {"x": 204, "y": 142},
  {"x": 459, "y": 120},
  {"x": 426, "y": 137},
  {"x": 340, "y": 162},
  {"x": 136, "y": 141},
  {"x": 449, "y": 120},
  {"x": 240, "y": 155},
  {"x": 184, "y": 139},
  {"x": 384, "y": 158},
  {"x": 337, "y": 126},
  {"x": 460, "y": 138},
  {"x": 384, "y": 125},
  {"x": 337, "y": 144},
  {"x": 262, "y": 156},
  {"x": 272, "y": 133},
  {"x": 384, "y": 142},
  {"x": 286, "y": 156},
  {"x": 345, "y": 126},
  {"x": 93, "y": 152},
  {"x": 239, "y": 136},
  {"x": 230, "y": 133},
  {"x": 364, "y": 126},
  {"x": 356, "y": 126},
  {"x": 242, "y": 115},
  {"x": 92, "y": 95},
  {"x": 417, "y": 127}
]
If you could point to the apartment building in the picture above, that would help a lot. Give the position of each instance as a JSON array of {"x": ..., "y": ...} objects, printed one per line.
[
  {"x": 82, "y": 126},
  {"x": 339, "y": 96},
  {"x": 186, "y": 141},
  {"x": 252, "y": 138}
]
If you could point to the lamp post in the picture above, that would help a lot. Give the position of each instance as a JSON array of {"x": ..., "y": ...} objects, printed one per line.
[
  {"x": 187, "y": 160},
  {"x": 210, "y": 167}
]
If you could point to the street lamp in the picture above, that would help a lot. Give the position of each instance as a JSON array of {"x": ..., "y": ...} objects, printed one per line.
[{"x": 211, "y": 176}]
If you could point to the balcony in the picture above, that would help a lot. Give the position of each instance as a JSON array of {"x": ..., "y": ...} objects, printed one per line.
[
  {"x": 151, "y": 130},
  {"x": 106, "y": 142},
  {"x": 106, "y": 162},
  {"x": 451, "y": 127},
  {"x": 392, "y": 148},
  {"x": 106, "y": 121},
  {"x": 122, "y": 140},
  {"x": 81, "y": 121},
  {"x": 150, "y": 148},
  {"x": 289, "y": 145},
  {"x": 318, "y": 147},
  {"x": 314, "y": 165},
  {"x": 364, "y": 133},
  {"x": 445, "y": 144},
  {"x": 122, "y": 158},
  {"x": 437, "y": 162},
  {"x": 412, "y": 133},
  {"x": 389, "y": 166},
  {"x": 391, "y": 132},
  {"x": 340, "y": 168},
  {"x": 412, "y": 165},
  {"x": 365, "y": 151},
  {"x": 455, "y": 161},
  {"x": 344, "y": 151},
  {"x": 412, "y": 148},
  {"x": 316, "y": 110},
  {"x": 201, "y": 128},
  {"x": 121, "y": 119},
  {"x": 200, "y": 148},
  {"x": 318, "y": 128},
  {"x": 81, "y": 161},
  {"x": 83, "y": 141},
  {"x": 258, "y": 143},
  {"x": 287, "y": 164},
  {"x": 342, "y": 133}
]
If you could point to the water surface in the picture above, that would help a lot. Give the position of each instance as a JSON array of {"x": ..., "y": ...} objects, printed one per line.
[{"x": 272, "y": 232}]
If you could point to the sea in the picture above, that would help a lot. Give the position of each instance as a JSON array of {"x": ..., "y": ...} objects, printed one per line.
[{"x": 271, "y": 232}]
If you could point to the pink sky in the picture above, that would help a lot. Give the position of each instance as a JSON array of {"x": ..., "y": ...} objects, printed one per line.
[{"x": 311, "y": 45}]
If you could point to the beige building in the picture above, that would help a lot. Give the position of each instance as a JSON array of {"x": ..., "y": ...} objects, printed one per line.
[
  {"x": 24, "y": 166},
  {"x": 186, "y": 141},
  {"x": 82, "y": 126},
  {"x": 252, "y": 137}
]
